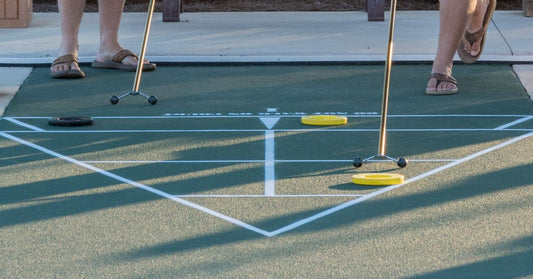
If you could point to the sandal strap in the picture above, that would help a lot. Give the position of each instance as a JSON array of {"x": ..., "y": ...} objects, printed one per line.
[
  {"x": 67, "y": 58},
  {"x": 123, "y": 54},
  {"x": 474, "y": 37},
  {"x": 442, "y": 77}
]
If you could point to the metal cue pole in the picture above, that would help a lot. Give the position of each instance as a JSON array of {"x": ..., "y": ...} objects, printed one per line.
[
  {"x": 386, "y": 83},
  {"x": 140, "y": 63}
]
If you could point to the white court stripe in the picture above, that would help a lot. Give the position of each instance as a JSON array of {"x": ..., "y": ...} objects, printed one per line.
[
  {"x": 510, "y": 124},
  {"x": 263, "y": 196},
  {"x": 270, "y": 176},
  {"x": 262, "y": 130},
  {"x": 178, "y": 162},
  {"x": 136, "y": 184},
  {"x": 389, "y": 188},
  {"x": 249, "y": 161},
  {"x": 23, "y": 124},
  {"x": 291, "y": 115}
]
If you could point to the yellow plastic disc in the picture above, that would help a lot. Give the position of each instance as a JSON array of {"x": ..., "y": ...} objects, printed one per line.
[
  {"x": 377, "y": 179},
  {"x": 324, "y": 120}
]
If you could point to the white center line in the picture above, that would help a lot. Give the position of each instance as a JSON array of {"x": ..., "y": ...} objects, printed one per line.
[{"x": 270, "y": 177}]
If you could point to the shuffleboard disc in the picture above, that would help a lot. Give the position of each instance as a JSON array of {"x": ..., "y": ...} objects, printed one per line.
[
  {"x": 377, "y": 179},
  {"x": 70, "y": 121},
  {"x": 324, "y": 120}
]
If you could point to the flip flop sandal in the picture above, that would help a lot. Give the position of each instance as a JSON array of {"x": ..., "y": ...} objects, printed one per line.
[
  {"x": 116, "y": 63},
  {"x": 442, "y": 78},
  {"x": 70, "y": 73},
  {"x": 476, "y": 36}
]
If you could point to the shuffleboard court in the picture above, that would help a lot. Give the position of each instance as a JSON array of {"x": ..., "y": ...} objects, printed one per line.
[{"x": 221, "y": 178}]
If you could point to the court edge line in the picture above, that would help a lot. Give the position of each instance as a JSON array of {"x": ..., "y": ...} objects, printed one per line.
[
  {"x": 262, "y": 130},
  {"x": 392, "y": 187},
  {"x": 287, "y": 115},
  {"x": 136, "y": 184},
  {"x": 251, "y": 161}
]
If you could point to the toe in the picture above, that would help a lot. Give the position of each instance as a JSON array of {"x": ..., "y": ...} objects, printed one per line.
[
  {"x": 129, "y": 60},
  {"x": 446, "y": 86},
  {"x": 432, "y": 84}
]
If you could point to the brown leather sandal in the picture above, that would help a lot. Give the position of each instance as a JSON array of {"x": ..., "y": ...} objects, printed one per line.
[
  {"x": 116, "y": 63},
  {"x": 69, "y": 73},
  {"x": 442, "y": 78},
  {"x": 476, "y": 37}
]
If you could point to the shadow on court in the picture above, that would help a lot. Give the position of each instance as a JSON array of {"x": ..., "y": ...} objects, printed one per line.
[{"x": 183, "y": 187}]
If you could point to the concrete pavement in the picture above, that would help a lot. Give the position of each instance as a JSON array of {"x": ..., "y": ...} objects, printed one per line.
[{"x": 265, "y": 37}]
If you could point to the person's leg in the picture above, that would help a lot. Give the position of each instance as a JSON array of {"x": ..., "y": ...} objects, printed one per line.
[
  {"x": 454, "y": 17},
  {"x": 476, "y": 23},
  {"x": 110, "y": 15},
  {"x": 71, "y": 12}
]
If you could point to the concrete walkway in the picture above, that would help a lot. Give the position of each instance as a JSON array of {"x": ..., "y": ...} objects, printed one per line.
[{"x": 264, "y": 37}]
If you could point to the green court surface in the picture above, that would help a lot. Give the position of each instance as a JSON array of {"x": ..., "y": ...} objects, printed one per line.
[{"x": 220, "y": 179}]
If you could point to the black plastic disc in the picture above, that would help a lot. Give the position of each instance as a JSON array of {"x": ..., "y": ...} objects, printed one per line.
[{"x": 71, "y": 121}]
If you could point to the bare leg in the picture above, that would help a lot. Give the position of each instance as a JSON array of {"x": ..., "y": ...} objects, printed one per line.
[
  {"x": 110, "y": 16},
  {"x": 71, "y": 12},
  {"x": 454, "y": 17}
]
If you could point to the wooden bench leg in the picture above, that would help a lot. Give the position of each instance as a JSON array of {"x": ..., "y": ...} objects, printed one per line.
[
  {"x": 527, "y": 7},
  {"x": 375, "y": 10},
  {"x": 172, "y": 10}
]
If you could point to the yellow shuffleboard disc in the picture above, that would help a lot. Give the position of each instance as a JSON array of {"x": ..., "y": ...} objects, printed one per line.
[
  {"x": 377, "y": 179},
  {"x": 324, "y": 120}
]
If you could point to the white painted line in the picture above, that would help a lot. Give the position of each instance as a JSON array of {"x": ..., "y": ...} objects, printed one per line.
[
  {"x": 339, "y": 130},
  {"x": 389, "y": 188},
  {"x": 412, "y": 160},
  {"x": 270, "y": 173},
  {"x": 510, "y": 124},
  {"x": 264, "y": 196},
  {"x": 269, "y": 122},
  {"x": 247, "y": 161},
  {"x": 143, "y": 131},
  {"x": 136, "y": 184},
  {"x": 351, "y": 161},
  {"x": 284, "y": 115},
  {"x": 23, "y": 124},
  {"x": 177, "y": 162}
]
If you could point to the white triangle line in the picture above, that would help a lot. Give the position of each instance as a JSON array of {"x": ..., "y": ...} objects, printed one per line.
[
  {"x": 269, "y": 122},
  {"x": 248, "y": 226}
]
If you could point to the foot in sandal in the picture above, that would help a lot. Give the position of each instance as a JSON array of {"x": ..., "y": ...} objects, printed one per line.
[
  {"x": 469, "y": 50},
  {"x": 66, "y": 66},
  {"x": 441, "y": 84},
  {"x": 123, "y": 60}
]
